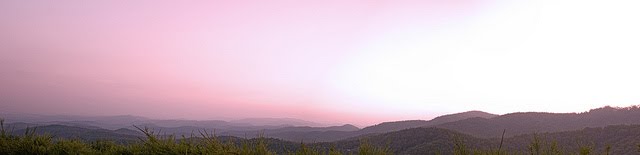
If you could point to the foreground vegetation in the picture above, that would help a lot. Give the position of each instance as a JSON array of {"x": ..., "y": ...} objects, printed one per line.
[
  {"x": 536, "y": 147},
  {"x": 208, "y": 143}
]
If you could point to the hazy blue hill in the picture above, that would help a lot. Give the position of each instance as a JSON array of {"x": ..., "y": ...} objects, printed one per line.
[
  {"x": 178, "y": 123},
  {"x": 276, "y": 122},
  {"x": 624, "y": 139},
  {"x": 476, "y": 123},
  {"x": 106, "y": 122},
  {"x": 18, "y": 125},
  {"x": 346, "y": 127},
  {"x": 308, "y": 134},
  {"x": 126, "y": 131},
  {"x": 72, "y": 132},
  {"x": 313, "y": 136},
  {"x": 242, "y": 128},
  {"x": 74, "y": 123},
  {"x": 179, "y": 131},
  {"x": 289, "y": 133},
  {"x": 298, "y": 134},
  {"x": 34, "y": 118}
]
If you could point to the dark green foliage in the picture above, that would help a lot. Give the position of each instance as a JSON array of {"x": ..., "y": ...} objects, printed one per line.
[
  {"x": 459, "y": 147},
  {"x": 333, "y": 151},
  {"x": 367, "y": 148},
  {"x": 71, "y": 147},
  {"x": 413, "y": 141},
  {"x": 538, "y": 146},
  {"x": 607, "y": 150}
]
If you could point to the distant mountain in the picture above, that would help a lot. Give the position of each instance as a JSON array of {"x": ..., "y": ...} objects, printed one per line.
[
  {"x": 460, "y": 116},
  {"x": 411, "y": 141},
  {"x": 107, "y": 122},
  {"x": 203, "y": 123},
  {"x": 18, "y": 126},
  {"x": 318, "y": 134},
  {"x": 314, "y": 136},
  {"x": 276, "y": 122},
  {"x": 475, "y": 123},
  {"x": 399, "y": 125},
  {"x": 530, "y": 122},
  {"x": 623, "y": 139},
  {"x": 298, "y": 134},
  {"x": 335, "y": 135},
  {"x": 485, "y": 125},
  {"x": 283, "y": 128},
  {"x": 251, "y": 125},
  {"x": 71, "y": 132},
  {"x": 346, "y": 127},
  {"x": 35, "y": 118},
  {"x": 125, "y": 131},
  {"x": 394, "y": 126}
]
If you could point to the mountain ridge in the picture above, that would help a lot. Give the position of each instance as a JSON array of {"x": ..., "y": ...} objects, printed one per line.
[
  {"x": 475, "y": 123},
  {"x": 530, "y": 122}
]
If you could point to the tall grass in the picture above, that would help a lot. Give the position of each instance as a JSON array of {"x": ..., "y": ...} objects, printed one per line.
[
  {"x": 208, "y": 144},
  {"x": 153, "y": 144},
  {"x": 537, "y": 146}
]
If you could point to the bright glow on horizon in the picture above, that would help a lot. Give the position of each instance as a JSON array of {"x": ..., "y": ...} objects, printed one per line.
[{"x": 328, "y": 61}]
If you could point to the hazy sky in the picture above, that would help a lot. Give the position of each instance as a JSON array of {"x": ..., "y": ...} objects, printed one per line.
[{"x": 328, "y": 61}]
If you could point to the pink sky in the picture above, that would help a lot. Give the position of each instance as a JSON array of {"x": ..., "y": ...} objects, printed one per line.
[
  {"x": 199, "y": 60},
  {"x": 228, "y": 59}
]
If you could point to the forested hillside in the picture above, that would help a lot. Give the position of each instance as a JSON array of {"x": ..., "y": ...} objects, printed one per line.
[
  {"x": 531, "y": 122},
  {"x": 607, "y": 129},
  {"x": 621, "y": 139}
]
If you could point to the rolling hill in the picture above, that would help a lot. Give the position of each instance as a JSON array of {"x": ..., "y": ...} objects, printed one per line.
[
  {"x": 597, "y": 128},
  {"x": 474, "y": 123},
  {"x": 623, "y": 139},
  {"x": 400, "y": 125},
  {"x": 530, "y": 122},
  {"x": 72, "y": 132}
]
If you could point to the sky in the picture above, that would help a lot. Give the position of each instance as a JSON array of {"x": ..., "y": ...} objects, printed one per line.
[{"x": 333, "y": 61}]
